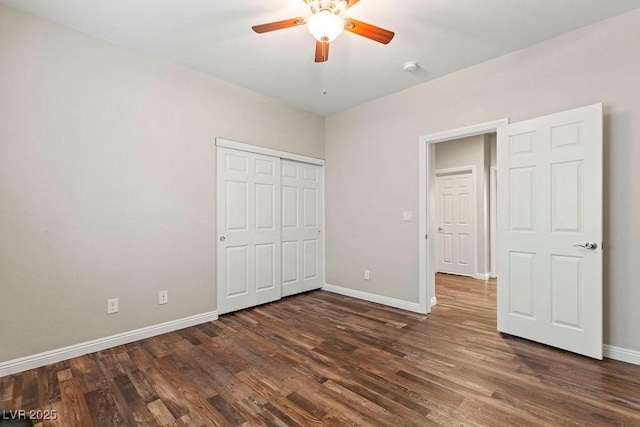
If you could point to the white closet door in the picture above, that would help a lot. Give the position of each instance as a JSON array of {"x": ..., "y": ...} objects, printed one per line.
[
  {"x": 302, "y": 220},
  {"x": 248, "y": 231}
]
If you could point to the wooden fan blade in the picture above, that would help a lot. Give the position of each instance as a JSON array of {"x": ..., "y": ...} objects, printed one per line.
[
  {"x": 322, "y": 51},
  {"x": 351, "y": 3},
  {"x": 369, "y": 31},
  {"x": 279, "y": 25}
]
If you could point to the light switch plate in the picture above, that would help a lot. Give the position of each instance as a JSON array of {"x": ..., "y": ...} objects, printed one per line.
[{"x": 112, "y": 305}]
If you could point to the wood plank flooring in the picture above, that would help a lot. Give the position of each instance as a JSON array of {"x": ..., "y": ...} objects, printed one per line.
[{"x": 325, "y": 359}]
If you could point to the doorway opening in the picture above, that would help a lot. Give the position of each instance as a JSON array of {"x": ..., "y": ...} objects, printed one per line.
[
  {"x": 463, "y": 196},
  {"x": 455, "y": 159}
]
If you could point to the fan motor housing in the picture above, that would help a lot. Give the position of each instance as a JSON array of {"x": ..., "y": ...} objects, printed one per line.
[{"x": 335, "y": 6}]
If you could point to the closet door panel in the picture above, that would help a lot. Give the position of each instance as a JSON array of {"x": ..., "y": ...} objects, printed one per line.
[
  {"x": 248, "y": 229},
  {"x": 302, "y": 221}
]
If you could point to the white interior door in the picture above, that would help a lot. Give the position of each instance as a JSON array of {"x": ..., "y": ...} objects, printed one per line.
[
  {"x": 550, "y": 230},
  {"x": 248, "y": 231},
  {"x": 455, "y": 214},
  {"x": 302, "y": 220}
]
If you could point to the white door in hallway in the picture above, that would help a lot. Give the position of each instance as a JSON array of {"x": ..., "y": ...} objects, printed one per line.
[
  {"x": 248, "y": 229},
  {"x": 455, "y": 217},
  {"x": 302, "y": 220},
  {"x": 550, "y": 230}
]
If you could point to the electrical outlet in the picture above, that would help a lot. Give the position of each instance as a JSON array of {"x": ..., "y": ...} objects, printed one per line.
[
  {"x": 367, "y": 274},
  {"x": 407, "y": 216},
  {"x": 112, "y": 306},
  {"x": 163, "y": 297}
]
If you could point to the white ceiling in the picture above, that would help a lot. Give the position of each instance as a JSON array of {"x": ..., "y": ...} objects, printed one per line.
[{"x": 215, "y": 37}]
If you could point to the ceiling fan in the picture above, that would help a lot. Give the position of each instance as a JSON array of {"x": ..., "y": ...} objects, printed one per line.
[{"x": 325, "y": 23}]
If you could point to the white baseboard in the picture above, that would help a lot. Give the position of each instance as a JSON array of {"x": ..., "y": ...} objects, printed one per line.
[
  {"x": 53, "y": 356},
  {"x": 391, "y": 302},
  {"x": 492, "y": 275},
  {"x": 481, "y": 276},
  {"x": 621, "y": 354}
]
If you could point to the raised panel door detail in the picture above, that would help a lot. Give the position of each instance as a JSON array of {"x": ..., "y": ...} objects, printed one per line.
[
  {"x": 521, "y": 284},
  {"x": 310, "y": 262},
  {"x": 236, "y": 217},
  {"x": 310, "y": 206},
  {"x": 566, "y": 197},
  {"x": 265, "y": 266},
  {"x": 237, "y": 268},
  {"x": 265, "y": 219},
  {"x": 289, "y": 171},
  {"x": 464, "y": 249},
  {"x": 310, "y": 173},
  {"x": 565, "y": 135},
  {"x": 289, "y": 261},
  {"x": 463, "y": 208},
  {"x": 236, "y": 163},
  {"x": 522, "y": 199},
  {"x": 289, "y": 206},
  {"x": 566, "y": 291},
  {"x": 463, "y": 182},
  {"x": 447, "y": 248},
  {"x": 264, "y": 167},
  {"x": 447, "y": 209},
  {"x": 447, "y": 183},
  {"x": 521, "y": 144}
]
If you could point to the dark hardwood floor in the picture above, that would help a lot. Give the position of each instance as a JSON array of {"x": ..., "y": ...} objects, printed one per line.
[{"x": 321, "y": 358}]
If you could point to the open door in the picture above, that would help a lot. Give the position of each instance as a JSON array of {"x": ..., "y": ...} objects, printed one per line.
[{"x": 550, "y": 230}]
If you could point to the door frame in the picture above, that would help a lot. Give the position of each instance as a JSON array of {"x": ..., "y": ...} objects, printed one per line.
[
  {"x": 227, "y": 143},
  {"x": 426, "y": 200},
  {"x": 474, "y": 205},
  {"x": 236, "y": 145},
  {"x": 493, "y": 220}
]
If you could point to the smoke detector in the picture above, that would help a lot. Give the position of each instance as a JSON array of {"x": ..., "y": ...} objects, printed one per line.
[{"x": 410, "y": 66}]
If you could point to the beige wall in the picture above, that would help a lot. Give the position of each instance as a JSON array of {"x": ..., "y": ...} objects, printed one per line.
[
  {"x": 372, "y": 158},
  {"x": 107, "y": 182}
]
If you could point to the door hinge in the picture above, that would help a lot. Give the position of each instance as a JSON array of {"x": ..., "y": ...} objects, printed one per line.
[{"x": 426, "y": 236}]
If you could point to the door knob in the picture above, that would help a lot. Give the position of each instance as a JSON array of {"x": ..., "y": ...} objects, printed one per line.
[
  {"x": 440, "y": 229},
  {"x": 222, "y": 238},
  {"x": 592, "y": 246}
]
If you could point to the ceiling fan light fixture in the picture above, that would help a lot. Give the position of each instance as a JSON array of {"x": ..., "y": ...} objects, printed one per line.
[{"x": 325, "y": 25}]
